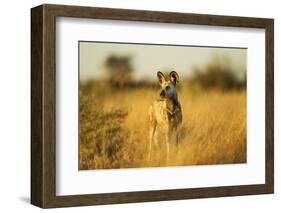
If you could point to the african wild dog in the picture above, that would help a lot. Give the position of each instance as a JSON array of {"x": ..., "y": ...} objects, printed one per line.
[{"x": 165, "y": 115}]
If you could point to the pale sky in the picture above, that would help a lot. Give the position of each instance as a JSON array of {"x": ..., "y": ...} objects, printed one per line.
[{"x": 148, "y": 59}]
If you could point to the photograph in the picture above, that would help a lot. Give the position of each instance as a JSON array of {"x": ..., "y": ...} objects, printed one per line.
[
  {"x": 134, "y": 105},
  {"x": 161, "y": 105}
]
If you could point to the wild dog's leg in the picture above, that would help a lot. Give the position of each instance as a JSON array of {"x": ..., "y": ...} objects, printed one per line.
[
  {"x": 152, "y": 130},
  {"x": 151, "y": 137},
  {"x": 155, "y": 139},
  {"x": 167, "y": 147},
  {"x": 177, "y": 139},
  {"x": 167, "y": 139},
  {"x": 178, "y": 132},
  {"x": 174, "y": 136}
]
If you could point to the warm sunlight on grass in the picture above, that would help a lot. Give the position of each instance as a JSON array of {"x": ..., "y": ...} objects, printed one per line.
[{"x": 114, "y": 129}]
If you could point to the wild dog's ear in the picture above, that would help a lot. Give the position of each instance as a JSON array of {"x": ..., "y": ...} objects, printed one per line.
[
  {"x": 161, "y": 78},
  {"x": 174, "y": 77}
]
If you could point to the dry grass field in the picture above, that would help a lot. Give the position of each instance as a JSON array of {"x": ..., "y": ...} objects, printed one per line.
[{"x": 114, "y": 128}]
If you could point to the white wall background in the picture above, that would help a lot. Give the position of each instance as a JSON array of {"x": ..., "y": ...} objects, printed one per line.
[{"x": 15, "y": 105}]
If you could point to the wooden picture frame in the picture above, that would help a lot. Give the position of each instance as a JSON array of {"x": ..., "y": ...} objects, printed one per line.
[{"x": 43, "y": 105}]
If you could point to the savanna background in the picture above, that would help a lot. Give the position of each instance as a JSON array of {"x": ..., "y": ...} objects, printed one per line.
[{"x": 118, "y": 83}]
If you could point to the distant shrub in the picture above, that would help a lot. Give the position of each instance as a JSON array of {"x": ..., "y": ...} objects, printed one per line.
[
  {"x": 120, "y": 69},
  {"x": 216, "y": 76}
]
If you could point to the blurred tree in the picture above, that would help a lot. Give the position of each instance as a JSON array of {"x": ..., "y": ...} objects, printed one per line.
[
  {"x": 215, "y": 77},
  {"x": 217, "y": 74},
  {"x": 120, "y": 70}
]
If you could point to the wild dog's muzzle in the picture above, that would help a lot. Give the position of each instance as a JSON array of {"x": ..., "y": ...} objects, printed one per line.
[{"x": 163, "y": 94}]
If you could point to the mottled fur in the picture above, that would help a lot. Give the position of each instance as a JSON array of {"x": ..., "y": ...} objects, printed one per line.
[{"x": 165, "y": 115}]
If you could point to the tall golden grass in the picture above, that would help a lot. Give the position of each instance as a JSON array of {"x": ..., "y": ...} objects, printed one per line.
[{"x": 114, "y": 128}]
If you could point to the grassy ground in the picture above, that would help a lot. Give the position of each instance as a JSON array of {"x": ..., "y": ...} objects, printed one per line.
[{"x": 114, "y": 129}]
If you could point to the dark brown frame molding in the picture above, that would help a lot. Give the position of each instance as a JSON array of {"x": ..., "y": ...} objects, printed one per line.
[{"x": 43, "y": 105}]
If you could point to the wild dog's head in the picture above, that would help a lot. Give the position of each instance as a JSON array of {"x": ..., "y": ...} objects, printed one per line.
[{"x": 168, "y": 84}]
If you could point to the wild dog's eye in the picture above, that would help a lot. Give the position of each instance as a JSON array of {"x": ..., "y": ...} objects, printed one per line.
[{"x": 168, "y": 87}]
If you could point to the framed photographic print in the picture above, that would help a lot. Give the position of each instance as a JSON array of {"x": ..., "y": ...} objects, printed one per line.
[{"x": 135, "y": 106}]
